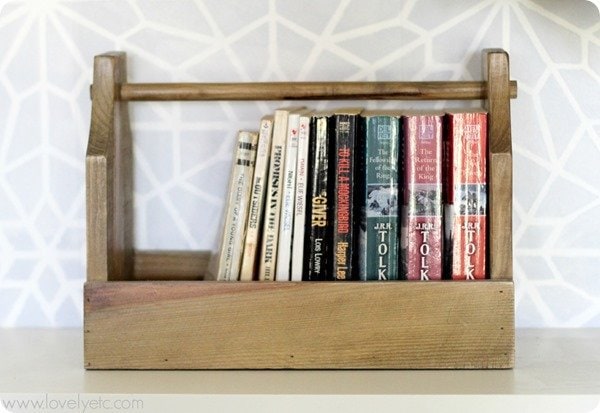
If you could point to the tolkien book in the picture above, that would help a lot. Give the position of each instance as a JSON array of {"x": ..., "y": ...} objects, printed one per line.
[
  {"x": 270, "y": 236},
  {"x": 466, "y": 195},
  {"x": 422, "y": 206},
  {"x": 286, "y": 222},
  {"x": 236, "y": 211},
  {"x": 257, "y": 200},
  {"x": 346, "y": 127},
  {"x": 300, "y": 198},
  {"x": 379, "y": 230},
  {"x": 317, "y": 247}
]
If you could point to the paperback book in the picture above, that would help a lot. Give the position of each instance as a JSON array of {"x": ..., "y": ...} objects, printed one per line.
[
  {"x": 346, "y": 127},
  {"x": 236, "y": 213},
  {"x": 286, "y": 223},
  {"x": 300, "y": 198},
  {"x": 257, "y": 201},
  {"x": 319, "y": 222},
  {"x": 270, "y": 238}
]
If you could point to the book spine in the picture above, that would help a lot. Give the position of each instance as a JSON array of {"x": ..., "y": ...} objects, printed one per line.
[
  {"x": 343, "y": 193},
  {"x": 422, "y": 216},
  {"x": 257, "y": 200},
  {"x": 466, "y": 196},
  {"x": 286, "y": 223},
  {"x": 270, "y": 237},
  {"x": 237, "y": 208},
  {"x": 300, "y": 201},
  {"x": 379, "y": 243},
  {"x": 318, "y": 219}
]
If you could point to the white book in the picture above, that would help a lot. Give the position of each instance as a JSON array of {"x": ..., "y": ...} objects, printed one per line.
[
  {"x": 236, "y": 209},
  {"x": 300, "y": 198},
  {"x": 270, "y": 235},
  {"x": 257, "y": 200},
  {"x": 286, "y": 222}
]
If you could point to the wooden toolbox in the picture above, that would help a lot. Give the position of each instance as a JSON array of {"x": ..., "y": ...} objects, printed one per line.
[{"x": 151, "y": 310}]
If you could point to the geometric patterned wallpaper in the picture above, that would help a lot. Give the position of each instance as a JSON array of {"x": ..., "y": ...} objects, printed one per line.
[{"x": 182, "y": 150}]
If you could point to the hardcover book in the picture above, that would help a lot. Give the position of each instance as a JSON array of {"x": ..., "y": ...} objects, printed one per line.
[
  {"x": 270, "y": 238},
  {"x": 346, "y": 126},
  {"x": 466, "y": 195},
  {"x": 257, "y": 201},
  {"x": 300, "y": 199},
  {"x": 319, "y": 223},
  {"x": 236, "y": 213},
  {"x": 286, "y": 222},
  {"x": 379, "y": 234},
  {"x": 422, "y": 206}
]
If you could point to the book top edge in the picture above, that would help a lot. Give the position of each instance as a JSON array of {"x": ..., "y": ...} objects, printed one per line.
[
  {"x": 410, "y": 113},
  {"x": 381, "y": 112},
  {"x": 462, "y": 111},
  {"x": 348, "y": 111}
]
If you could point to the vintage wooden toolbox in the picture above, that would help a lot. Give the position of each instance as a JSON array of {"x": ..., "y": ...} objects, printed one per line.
[{"x": 151, "y": 310}]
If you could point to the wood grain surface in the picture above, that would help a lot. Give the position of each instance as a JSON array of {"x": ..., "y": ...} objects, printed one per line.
[
  {"x": 274, "y": 325},
  {"x": 500, "y": 166},
  {"x": 109, "y": 175},
  {"x": 459, "y": 90}
]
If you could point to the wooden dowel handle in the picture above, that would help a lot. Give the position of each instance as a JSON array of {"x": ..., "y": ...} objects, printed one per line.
[{"x": 308, "y": 91}]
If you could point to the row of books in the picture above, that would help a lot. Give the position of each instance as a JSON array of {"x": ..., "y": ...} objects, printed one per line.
[{"x": 357, "y": 195}]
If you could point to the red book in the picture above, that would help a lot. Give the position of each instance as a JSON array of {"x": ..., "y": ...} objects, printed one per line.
[
  {"x": 422, "y": 217},
  {"x": 466, "y": 195}
]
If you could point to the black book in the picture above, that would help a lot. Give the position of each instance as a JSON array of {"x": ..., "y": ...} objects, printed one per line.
[
  {"x": 345, "y": 149},
  {"x": 317, "y": 265}
]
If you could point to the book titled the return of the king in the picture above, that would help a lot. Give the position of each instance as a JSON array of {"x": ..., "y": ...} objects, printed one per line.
[
  {"x": 466, "y": 195},
  {"x": 422, "y": 209}
]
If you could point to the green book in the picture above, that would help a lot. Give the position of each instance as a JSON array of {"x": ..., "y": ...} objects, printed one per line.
[{"x": 379, "y": 233}]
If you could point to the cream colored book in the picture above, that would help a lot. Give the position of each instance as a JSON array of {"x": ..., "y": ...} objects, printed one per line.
[
  {"x": 257, "y": 200},
  {"x": 270, "y": 235},
  {"x": 286, "y": 222},
  {"x": 300, "y": 198},
  {"x": 236, "y": 212}
]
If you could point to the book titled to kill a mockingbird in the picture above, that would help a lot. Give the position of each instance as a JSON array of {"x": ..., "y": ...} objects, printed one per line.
[{"x": 346, "y": 127}]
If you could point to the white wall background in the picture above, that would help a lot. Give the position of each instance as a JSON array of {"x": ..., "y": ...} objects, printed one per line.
[{"x": 183, "y": 150}]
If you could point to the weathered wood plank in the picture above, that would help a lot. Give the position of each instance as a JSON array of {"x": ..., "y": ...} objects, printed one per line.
[
  {"x": 109, "y": 175},
  {"x": 465, "y": 90},
  {"x": 170, "y": 265},
  {"x": 218, "y": 325},
  {"x": 500, "y": 168},
  {"x": 500, "y": 216}
]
